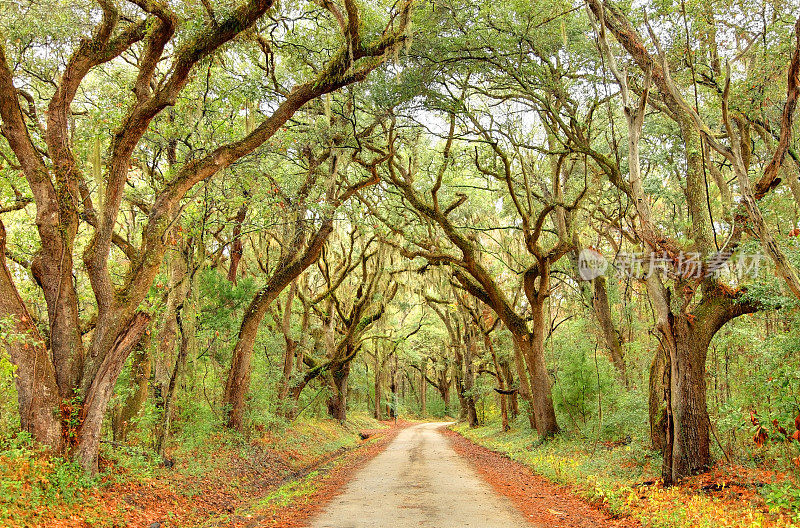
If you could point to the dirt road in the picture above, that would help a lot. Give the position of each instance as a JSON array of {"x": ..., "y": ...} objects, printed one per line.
[{"x": 419, "y": 481}]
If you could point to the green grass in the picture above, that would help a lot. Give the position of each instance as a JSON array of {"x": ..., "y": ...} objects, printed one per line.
[{"x": 290, "y": 492}]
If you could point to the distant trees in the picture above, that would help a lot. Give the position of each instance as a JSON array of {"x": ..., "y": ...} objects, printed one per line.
[
  {"x": 465, "y": 255},
  {"x": 301, "y": 245}
]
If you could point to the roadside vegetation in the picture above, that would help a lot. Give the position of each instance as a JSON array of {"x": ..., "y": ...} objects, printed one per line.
[
  {"x": 623, "y": 479},
  {"x": 223, "y": 478}
]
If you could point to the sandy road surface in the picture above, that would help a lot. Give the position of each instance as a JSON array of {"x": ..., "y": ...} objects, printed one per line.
[{"x": 419, "y": 481}]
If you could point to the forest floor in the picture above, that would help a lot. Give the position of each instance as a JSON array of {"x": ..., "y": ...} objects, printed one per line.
[
  {"x": 277, "y": 479},
  {"x": 619, "y": 483}
]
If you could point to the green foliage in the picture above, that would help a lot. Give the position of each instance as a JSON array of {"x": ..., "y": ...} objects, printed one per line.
[
  {"x": 292, "y": 491},
  {"x": 33, "y": 484},
  {"x": 587, "y": 391},
  {"x": 770, "y": 389},
  {"x": 9, "y": 416},
  {"x": 223, "y": 301},
  {"x": 782, "y": 496}
]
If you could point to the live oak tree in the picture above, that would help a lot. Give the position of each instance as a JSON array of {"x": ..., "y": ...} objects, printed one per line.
[
  {"x": 453, "y": 311},
  {"x": 543, "y": 88},
  {"x": 692, "y": 311},
  {"x": 375, "y": 290},
  {"x": 356, "y": 289}
]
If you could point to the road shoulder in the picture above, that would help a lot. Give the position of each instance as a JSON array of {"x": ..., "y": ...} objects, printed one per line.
[
  {"x": 537, "y": 498},
  {"x": 293, "y": 503}
]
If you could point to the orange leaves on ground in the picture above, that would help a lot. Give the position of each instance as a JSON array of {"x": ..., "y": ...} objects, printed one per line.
[
  {"x": 780, "y": 428},
  {"x": 196, "y": 491}
]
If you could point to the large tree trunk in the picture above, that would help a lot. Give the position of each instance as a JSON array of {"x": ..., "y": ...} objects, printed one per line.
[
  {"x": 524, "y": 384},
  {"x": 687, "y": 446},
  {"x": 93, "y": 408},
  {"x": 689, "y": 410},
  {"x": 532, "y": 348},
  {"x": 536, "y": 283},
  {"x": 531, "y": 345},
  {"x": 238, "y": 383},
  {"x": 685, "y": 338},
  {"x": 337, "y": 403},
  {"x": 141, "y": 365},
  {"x": 602, "y": 310},
  {"x": 52, "y": 270},
  {"x": 37, "y": 391},
  {"x": 469, "y": 377},
  {"x": 679, "y": 421}
]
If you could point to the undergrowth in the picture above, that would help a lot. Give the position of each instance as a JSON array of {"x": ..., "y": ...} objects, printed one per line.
[
  {"x": 34, "y": 486},
  {"x": 37, "y": 489},
  {"x": 623, "y": 478}
]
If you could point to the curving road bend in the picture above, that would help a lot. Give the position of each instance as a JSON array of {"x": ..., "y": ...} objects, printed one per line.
[{"x": 419, "y": 481}]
